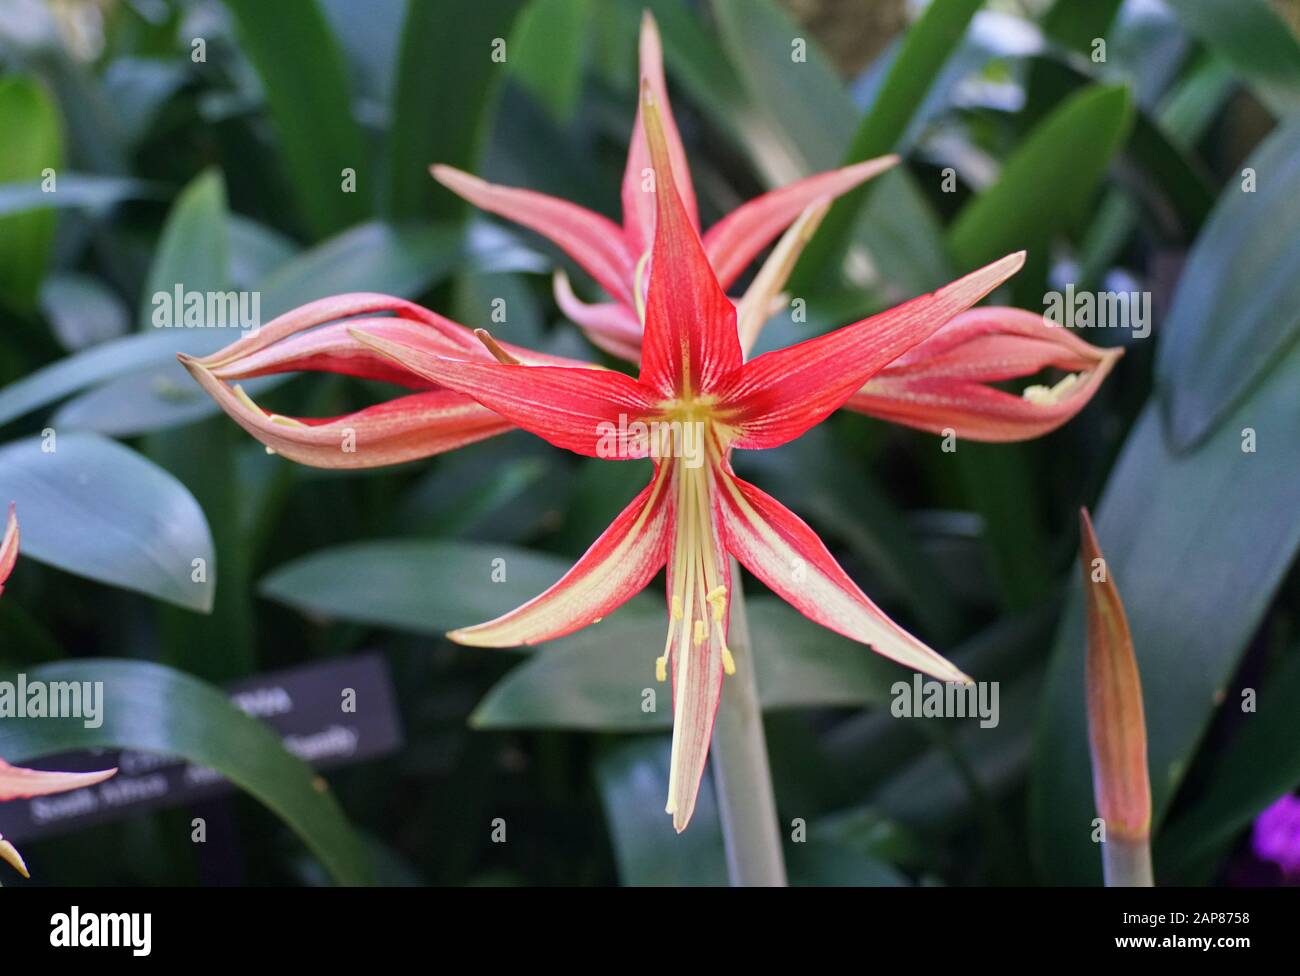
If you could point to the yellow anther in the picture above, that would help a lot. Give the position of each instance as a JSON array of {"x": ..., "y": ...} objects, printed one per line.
[
  {"x": 677, "y": 607},
  {"x": 1049, "y": 395},
  {"x": 661, "y": 668},
  {"x": 728, "y": 662},
  {"x": 717, "y": 597},
  {"x": 701, "y": 632}
]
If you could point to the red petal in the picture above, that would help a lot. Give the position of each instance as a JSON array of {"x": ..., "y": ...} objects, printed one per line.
[
  {"x": 779, "y": 395},
  {"x": 690, "y": 343},
  {"x": 735, "y": 240},
  {"x": 638, "y": 206},
  {"x": 17, "y": 783},
  {"x": 939, "y": 385},
  {"x": 618, "y": 566},
  {"x": 9, "y": 546},
  {"x": 595, "y": 242},
  {"x": 406, "y": 429},
  {"x": 318, "y": 313},
  {"x": 610, "y": 325},
  {"x": 588, "y": 411},
  {"x": 782, "y": 551}
]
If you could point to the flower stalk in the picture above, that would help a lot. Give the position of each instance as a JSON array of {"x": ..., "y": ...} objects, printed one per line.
[{"x": 741, "y": 774}]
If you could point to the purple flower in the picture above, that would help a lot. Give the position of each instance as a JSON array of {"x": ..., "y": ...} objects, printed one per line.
[{"x": 1277, "y": 835}]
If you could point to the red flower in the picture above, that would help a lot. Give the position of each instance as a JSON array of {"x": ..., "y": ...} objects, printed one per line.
[
  {"x": 942, "y": 385},
  {"x": 696, "y": 387},
  {"x": 614, "y": 256}
]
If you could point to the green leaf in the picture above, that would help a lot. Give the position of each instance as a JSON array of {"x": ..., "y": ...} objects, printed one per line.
[
  {"x": 98, "y": 509},
  {"x": 547, "y": 53},
  {"x": 194, "y": 250},
  {"x": 795, "y": 88},
  {"x": 1237, "y": 307},
  {"x": 33, "y": 144},
  {"x": 410, "y": 584},
  {"x": 1240, "y": 786},
  {"x": 72, "y": 190},
  {"x": 448, "y": 75},
  {"x": 925, "y": 49},
  {"x": 151, "y": 708},
  {"x": 303, "y": 71},
  {"x": 1255, "y": 40},
  {"x": 1047, "y": 181},
  {"x": 1197, "y": 544},
  {"x": 82, "y": 310},
  {"x": 633, "y": 782}
]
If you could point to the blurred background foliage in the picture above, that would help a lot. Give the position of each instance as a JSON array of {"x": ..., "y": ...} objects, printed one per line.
[{"x": 1124, "y": 173}]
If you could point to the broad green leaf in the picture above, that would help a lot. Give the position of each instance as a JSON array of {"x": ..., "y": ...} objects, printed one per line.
[
  {"x": 155, "y": 709},
  {"x": 255, "y": 251},
  {"x": 410, "y": 584},
  {"x": 72, "y": 190},
  {"x": 925, "y": 48},
  {"x": 100, "y": 510},
  {"x": 29, "y": 120},
  {"x": 302, "y": 69},
  {"x": 82, "y": 310},
  {"x": 193, "y": 252},
  {"x": 1242, "y": 783},
  {"x": 1197, "y": 543},
  {"x": 454, "y": 57},
  {"x": 1255, "y": 40},
  {"x": 633, "y": 782},
  {"x": 1237, "y": 307},
  {"x": 790, "y": 81},
  {"x": 549, "y": 44},
  {"x": 1047, "y": 181}
]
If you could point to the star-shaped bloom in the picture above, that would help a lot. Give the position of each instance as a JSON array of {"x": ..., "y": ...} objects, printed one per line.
[
  {"x": 695, "y": 402},
  {"x": 943, "y": 385},
  {"x": 17, "y": 783},
  {"x": 615, "y": 256}
]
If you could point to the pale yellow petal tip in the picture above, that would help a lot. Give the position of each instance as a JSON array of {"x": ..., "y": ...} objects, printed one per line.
[
  {"x": 9, "y": 854},
  {"x": 450, "y": 176},
  {"x": 464, "y": 636}
]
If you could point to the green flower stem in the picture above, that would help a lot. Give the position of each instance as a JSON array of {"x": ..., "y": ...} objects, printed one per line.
[
  {"x": 1127, "y": 863},
  {"x": 746, "y": 804}
]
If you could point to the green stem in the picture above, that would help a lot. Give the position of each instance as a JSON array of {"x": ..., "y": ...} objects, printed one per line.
[
  {"x": 1127, "y": 863},
  {"x": 746, "y": 803}
]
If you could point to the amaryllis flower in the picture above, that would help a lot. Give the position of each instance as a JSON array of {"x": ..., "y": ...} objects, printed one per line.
[
  {"x": 615, "y": 256},
  {"x": 316, "y": 337},
  {"x": 17, "y": 783},
  {"x": 695, "y": 387},
  {"x": 941, "y": 385}
]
